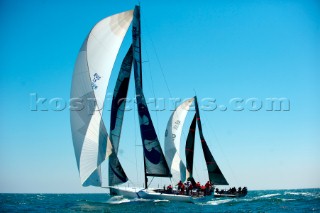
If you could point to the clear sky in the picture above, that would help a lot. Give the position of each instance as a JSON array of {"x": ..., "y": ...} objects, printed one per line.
[{"x": 221, "y": 49}]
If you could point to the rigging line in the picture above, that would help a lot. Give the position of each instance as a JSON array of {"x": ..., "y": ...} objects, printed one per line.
[
  {"x": 128, "y": 160},
  {"x": 207, "y": 124},
  {"x": 195, "y": 169},
  {"x": 135, "y": 139},
  {"x": 131, "y": 182},
  {"x": 151, "y": 181},
  {"x": 196, "y": 147},
  {"x": 153, "y": 91},
  {"x": 154, "y": 48}
]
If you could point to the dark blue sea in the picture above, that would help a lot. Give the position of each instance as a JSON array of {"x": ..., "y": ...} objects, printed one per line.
[{"x": 303, "y": 200}]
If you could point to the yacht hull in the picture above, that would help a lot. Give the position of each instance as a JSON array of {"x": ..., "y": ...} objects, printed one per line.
[
  {"x": 230, "y": 195},
  {"x": 150, "y": 194},
  {"x": 126, "y": 192}
]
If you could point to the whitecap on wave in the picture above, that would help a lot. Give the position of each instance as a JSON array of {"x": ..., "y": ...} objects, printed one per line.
[
  {"x": 118, "y": 200},
  {"x": 299, "y": 193},
  {"x": 217, "y": 202},
  {"x": 40, "y": 197},
  {"x": 141, "y": 200},
  {"x": 268, "y": 195},
  {"x": 285, "y": 199},
  {"x": 156, "y": 201}
]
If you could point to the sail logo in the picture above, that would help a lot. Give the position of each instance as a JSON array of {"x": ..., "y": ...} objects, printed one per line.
[{"x": 95, "y": 78}]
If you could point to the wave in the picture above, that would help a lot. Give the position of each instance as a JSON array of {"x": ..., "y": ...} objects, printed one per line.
[
  {"x": 156, "y": 201},
  {"x": 308, "y": 194},
  {"x": 217, "y": 202},
  {"x": 287, "y": 199},
  {"x": 268, "y": 195},
  {"x": 141, "y": 200},
  {"x": 117, "y": 200},
  {"x": 40, "y": 197}
]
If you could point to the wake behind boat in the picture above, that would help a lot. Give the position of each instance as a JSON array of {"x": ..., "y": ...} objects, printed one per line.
[{"x": 92, "y": 143}]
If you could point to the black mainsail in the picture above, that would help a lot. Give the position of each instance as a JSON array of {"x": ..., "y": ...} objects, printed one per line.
[
  {"x": 189, "y": 150},
  {"x": 215, "y": 174},
  {"x": 154, "y": 160},
  {"x": 116, "y": 172}
]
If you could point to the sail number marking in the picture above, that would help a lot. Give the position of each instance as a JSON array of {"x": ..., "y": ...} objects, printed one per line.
[{"x": 95, "y": 78}]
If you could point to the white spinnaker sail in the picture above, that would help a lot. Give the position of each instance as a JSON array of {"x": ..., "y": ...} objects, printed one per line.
[
  {"x": 89, "y": 85},
  {"x": 102, "y": 48},
  {"x": 172, "y": 140}
]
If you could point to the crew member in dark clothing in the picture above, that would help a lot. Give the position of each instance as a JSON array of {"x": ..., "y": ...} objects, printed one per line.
[
  {"x": 180, "y": 184},
  {"x": 190, "y": 189},
  {"x": 169, "y": 189},
  {"x": 208, "y": 188}
]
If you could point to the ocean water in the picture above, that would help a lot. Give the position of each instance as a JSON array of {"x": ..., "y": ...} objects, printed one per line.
[{"x": 304, "y": 200}]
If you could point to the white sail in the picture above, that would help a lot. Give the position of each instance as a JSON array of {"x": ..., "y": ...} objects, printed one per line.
[
  {"x": 89, "y": 84},
  {"x": 102, "y": 48},
  {"x": 172, "y": 140}
]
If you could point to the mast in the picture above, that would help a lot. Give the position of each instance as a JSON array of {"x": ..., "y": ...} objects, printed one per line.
[
  {"x": 145, "y": 174},
  {"x": 140, "y": 62},
  {"x": 137, "y": 8},
  {"x": 140, "y": 52},
  {"x": 136, "y": 35}
]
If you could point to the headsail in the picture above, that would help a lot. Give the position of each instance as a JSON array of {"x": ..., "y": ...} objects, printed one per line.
[
  {"x": 215, "y": 174},
  {"x": 116, "y": 172},
  {"x": 155, "y": 163},
  {"x": 172, "y": 141},
  {"x": 190, "y": 148},
  {"x": 89, "y": 84}
]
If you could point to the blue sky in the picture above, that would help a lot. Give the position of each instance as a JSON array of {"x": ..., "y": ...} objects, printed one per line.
[{"x": 221, "y": 49}]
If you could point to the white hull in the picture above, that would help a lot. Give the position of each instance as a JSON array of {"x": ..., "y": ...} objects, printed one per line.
[
  {"x": 150, "y": 194},
  {"x": 230, "y": 195},
  {"x": 127, "y": 192},
  {"x": 132, "y": 193},
  {"x": 223, "y": 195}
]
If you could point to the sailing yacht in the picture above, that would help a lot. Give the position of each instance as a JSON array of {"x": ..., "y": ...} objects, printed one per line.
[{"x": 91, "y": 141}]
